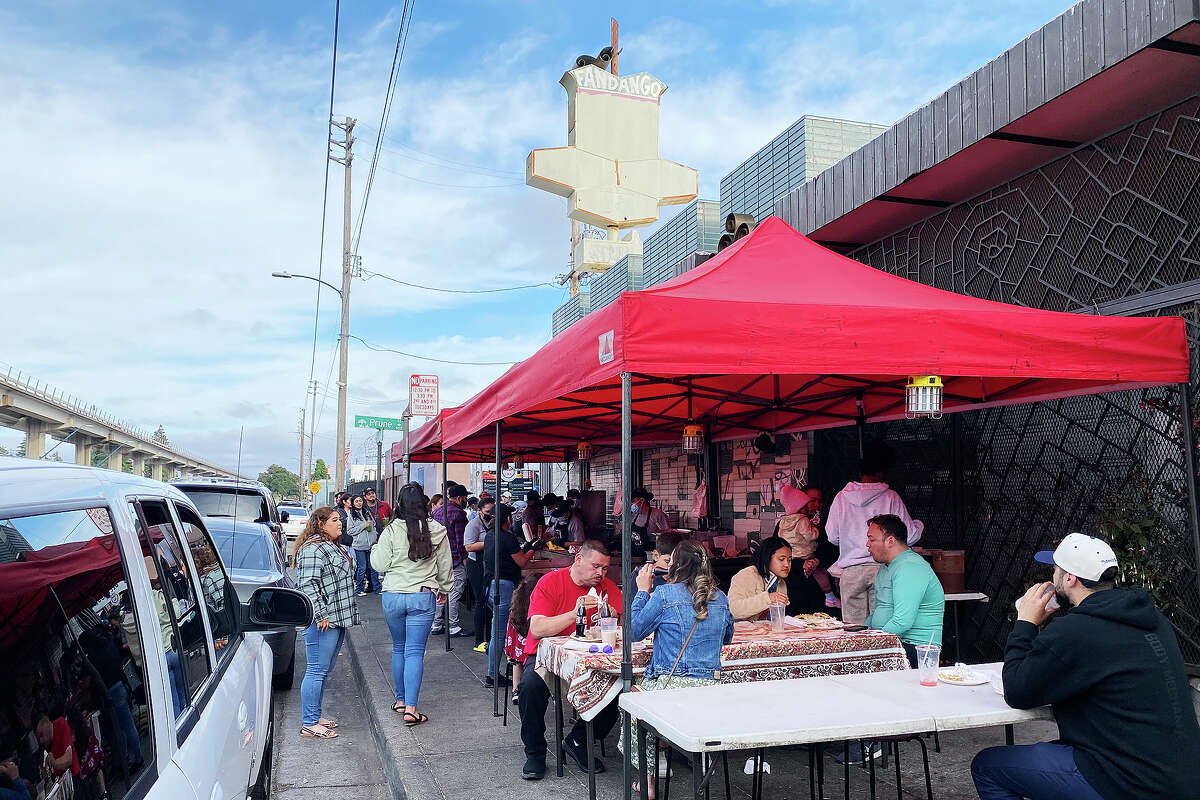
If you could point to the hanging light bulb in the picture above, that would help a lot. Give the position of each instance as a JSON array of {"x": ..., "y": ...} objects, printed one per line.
[
  {"x": 923, "y": 397},
  {"x": 518, "y": 462},
  {"x": 693, "y": 438},
  {"x": 583, "y": 451}
]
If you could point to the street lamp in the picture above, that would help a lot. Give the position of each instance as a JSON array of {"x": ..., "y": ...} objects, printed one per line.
[
  {"x": 343, "y": 350},
  {"x": 306, "y": 277}
]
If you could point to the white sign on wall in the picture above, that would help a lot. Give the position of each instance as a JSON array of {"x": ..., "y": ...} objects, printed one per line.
[{"x": 423, "y": 395}]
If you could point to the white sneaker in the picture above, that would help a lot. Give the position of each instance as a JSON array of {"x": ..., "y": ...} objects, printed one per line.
[{"x": 456, "y": 631}]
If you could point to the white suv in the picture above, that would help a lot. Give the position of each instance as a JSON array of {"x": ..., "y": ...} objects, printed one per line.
[{"x": 131, "y": 668}]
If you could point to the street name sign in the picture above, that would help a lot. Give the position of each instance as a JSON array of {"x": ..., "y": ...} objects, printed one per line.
[{"x": 379, "y": 423}]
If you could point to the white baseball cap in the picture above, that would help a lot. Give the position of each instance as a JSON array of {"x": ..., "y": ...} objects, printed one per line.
[{"x": 1083, "y": 556}]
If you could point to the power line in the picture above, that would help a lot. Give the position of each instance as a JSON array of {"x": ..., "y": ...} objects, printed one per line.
[
  {"x": 397, "y": 145},
  {"x": 385, "y": 113},
  {"x": 379, "y": 349},
  {"x": 444, "y": 185},
  {"x": 368, "y": 274},
  {"x": 337, "y": 6}
]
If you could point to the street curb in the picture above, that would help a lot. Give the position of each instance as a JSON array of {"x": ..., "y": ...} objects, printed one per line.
[{"x": 391, "y": 769}]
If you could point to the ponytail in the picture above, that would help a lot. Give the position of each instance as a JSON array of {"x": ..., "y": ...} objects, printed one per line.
[{"x": 690, "y": 566}]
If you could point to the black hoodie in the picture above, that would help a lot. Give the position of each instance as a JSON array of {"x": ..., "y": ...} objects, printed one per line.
[{"x": 1112, "y": 670}]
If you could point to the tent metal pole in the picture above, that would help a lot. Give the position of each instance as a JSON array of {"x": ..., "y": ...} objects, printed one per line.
[
  {"x": 497, "y": 635},
  {"x": 860, "y": 423},
  {"x": 1189, "y": 466},
  {"x": 626, "y": 567},
  {"x": 446, "y": 520}
]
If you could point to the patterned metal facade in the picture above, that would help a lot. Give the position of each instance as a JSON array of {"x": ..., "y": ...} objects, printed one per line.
[{"x": 1113, "y": 219}]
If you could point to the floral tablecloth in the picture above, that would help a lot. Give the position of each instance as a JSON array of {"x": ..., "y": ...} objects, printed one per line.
[{"x": 592, "y": 680}]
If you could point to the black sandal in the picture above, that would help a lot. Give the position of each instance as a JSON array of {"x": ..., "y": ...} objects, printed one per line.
[{"x": 412, "y": 720}]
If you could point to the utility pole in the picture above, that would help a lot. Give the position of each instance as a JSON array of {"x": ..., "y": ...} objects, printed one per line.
[
  {"x": 347, "y": 145},
  {"x": 301, "y": 465},
  {"x": 312, "y": 431}
]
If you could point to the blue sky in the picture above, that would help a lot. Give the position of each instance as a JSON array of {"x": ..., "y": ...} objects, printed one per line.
[{"x": 169, "y": 158}]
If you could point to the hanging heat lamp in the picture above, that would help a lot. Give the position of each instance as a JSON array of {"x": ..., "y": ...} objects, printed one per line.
[
  {"x": 583, "y": 451},
  {"x": 693, "y": 438},
  {"x": 518, "y": 462},
  {"x": 923, "y": 397}
]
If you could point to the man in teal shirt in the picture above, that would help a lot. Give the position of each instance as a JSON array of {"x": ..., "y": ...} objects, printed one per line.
[{"x": 909, "y": 600}]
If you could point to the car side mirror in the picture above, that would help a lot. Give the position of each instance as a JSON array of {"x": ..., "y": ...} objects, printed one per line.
[
  {"x": 283, "y": 516},
  {"x": 273, "y": 608}
]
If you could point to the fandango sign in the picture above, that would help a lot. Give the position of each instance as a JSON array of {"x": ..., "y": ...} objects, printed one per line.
[{"x": 642, "y": 84}]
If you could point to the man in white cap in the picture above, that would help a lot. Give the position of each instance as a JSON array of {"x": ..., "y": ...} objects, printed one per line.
[{"x": 1112, "y": 671}]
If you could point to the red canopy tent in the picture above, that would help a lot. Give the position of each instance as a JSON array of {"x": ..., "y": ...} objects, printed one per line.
[
  {"x": 426, "y": 445},
  {"x": 778, "y": 333}
]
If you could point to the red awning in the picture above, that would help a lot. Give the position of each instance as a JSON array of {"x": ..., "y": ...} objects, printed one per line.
[
  {"x": 425, "y": 445},
  {"x": 777, "y": 333}
]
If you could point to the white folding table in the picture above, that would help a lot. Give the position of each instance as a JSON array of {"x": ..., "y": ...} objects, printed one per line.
[{"x": 753, "y": 716}]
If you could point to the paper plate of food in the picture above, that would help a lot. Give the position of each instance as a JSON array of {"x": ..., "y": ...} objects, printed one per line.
[
  {"x": 962, "y": 675},
  {"x": 814, "y": 622}
]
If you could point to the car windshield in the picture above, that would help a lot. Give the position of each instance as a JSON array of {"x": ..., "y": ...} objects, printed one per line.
[
  {"x": 296, "y": 513},
  {"x": 250, "y": 506},
  {"x": 244, "y": 551}
]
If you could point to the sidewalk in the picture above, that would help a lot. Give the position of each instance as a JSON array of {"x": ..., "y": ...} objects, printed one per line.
[
  {"x": 311, "y": 769},
  {"x": 463, "y": 751}
]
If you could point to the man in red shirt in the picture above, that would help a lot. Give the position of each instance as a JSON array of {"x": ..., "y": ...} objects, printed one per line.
[
  {"x": 57, "y": 740},
  {"x": 552, "y": 612}
]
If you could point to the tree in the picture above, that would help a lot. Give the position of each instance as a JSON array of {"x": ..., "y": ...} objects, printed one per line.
[
  {"x": 21, "y": 448},
  {"x": 320, "y": 471},
  {"x": 160, "y": 436},
  {"x": 4, "y": 451},
  {"x": 281, "y": 481}
]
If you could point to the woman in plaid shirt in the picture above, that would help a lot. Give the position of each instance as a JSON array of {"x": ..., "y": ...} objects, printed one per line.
[{"x": 327, "y": 577}]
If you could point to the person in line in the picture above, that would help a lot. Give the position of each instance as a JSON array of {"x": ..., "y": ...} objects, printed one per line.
[
  {"x": 103, "y": 649},
  {"x": 809, "y": 585},
  {"x": 472, "y": 508},
  {"x": 454, "y": 518},
  {"x": 513, "y": 556},
  {"x": 648, "y": 521},
  {"x": 764, "y": 583},
  {"x": 846, "y": 527},
  {"x": 690, "y": 620},
  {"x": 414, "y": 556},
  {"x": 1112, "y": 671},
  {"x": 435, "y": 503},
  {"x": 378, "y": 508},
  {"x": 473, "y": 536},
  {"x": 909, "y": 600},
  {"x": 363, "y": 535},
  {"x": 552, "y": 612},
  {"x": 326, "y": 575},
  {"x": 518, "y": 630},
  {"x": 342, "y": 502}
]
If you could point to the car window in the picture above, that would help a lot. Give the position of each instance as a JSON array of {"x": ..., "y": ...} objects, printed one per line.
[
  {"x": 245, "y": 550},
  {"x": 219, "y": 597},
  {"x": 72, "y": 653},
  {"x": 245, "y": 505},
  {"x": 184, "y": 643}
]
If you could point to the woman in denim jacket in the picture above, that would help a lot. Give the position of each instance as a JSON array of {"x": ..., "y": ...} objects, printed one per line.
[{"x": 687, "y": 609}]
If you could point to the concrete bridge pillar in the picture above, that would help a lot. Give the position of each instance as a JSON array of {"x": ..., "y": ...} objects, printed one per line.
[
  {"x": 116, "y": 457},
  {"x": 35, "y": 438},
  {"x": 83, "y": 450},
  {"x": 139, "y": 464}
]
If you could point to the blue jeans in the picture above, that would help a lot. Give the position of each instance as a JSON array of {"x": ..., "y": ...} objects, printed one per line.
[
  {"x": 129, "y": 745},
  {"x": 409, "y": 617},
  {"x": 499, "y": 624},
  {"x": 320, "y": 652},
  {"x": 175, "y": 673},
  {"x": 365, "y": 578},
  {"x": 1042, "y": 770}
]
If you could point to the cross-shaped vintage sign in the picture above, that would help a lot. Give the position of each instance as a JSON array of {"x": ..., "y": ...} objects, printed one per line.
[{"x": 610, "y": 171}]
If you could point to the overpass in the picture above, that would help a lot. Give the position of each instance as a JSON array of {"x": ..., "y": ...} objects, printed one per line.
[{"x": 44, "y": 413}]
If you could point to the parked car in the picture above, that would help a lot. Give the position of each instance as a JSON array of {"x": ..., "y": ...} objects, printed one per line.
[
  {"x": 117, "y": 616},
  {"x": 250, "y": 501},
  {"x": 297, "y": 519},
  {"x": 253, "y": 560}
]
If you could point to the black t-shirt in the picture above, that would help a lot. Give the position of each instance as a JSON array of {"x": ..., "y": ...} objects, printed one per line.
[{"x": 509, "y": 571}]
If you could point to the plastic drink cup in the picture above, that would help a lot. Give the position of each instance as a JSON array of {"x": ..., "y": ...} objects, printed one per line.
[
  {"x": 775, "y": 615},
  {"x": 927, "y": 663},
  {"x": 608, "y": 631}
]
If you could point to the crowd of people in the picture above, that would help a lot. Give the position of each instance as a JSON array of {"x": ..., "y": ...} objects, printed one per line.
[{"x": 1125, "y": 715}]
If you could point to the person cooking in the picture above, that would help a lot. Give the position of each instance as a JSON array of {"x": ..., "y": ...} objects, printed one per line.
[{"x": 648, "y": 521}]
